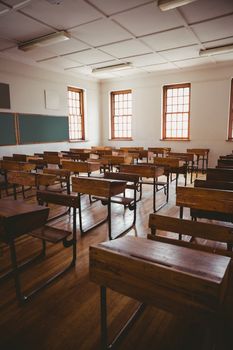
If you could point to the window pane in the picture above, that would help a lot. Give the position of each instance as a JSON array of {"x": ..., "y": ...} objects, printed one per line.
[
  {"x": 76, "y": 119},
  {"x": 122, "y": 114},
  {"x": 176, "y": 111}
]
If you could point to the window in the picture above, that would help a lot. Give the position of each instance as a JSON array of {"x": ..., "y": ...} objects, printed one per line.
[
  {"x": 230, "y": 129},
  {"x": 121, "y": 115},
  {"x": 76, "y": 114},
  {"x": 176, "y": 112}
]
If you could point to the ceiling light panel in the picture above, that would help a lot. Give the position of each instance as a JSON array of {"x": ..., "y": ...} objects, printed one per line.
[
  {"x": 166, "y": 5},
  {"x": 43, "y": 41}
]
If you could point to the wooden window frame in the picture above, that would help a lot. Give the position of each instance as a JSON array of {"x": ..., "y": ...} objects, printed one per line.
[
  {"x": 165, "y": 89},
  {"x": 230, "y": 126},
  {"x": 81, "y": 99},
  {"x": 113, "y": 94}
]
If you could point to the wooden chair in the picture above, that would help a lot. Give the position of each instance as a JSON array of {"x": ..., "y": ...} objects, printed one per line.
[
  {"x": 159, "y": 151},
  {"x": 195, "y": 229},
  {"x": 218, "y": 185},
  {"x": 62, "y": 175},
  {"x": 189, "y": 162}
]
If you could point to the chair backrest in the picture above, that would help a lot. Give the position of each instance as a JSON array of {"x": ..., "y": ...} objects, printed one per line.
[
  {"x": 67, "y": 200},
  {"x": 219, "y": 174},
  {"x": 206, "y": 231},
  {"x": 220, "y": 185}
]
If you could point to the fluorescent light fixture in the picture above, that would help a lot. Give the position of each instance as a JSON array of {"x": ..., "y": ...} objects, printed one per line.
[
  {"x": 216, "y": 50},
  {"x": 113, "y": 67},
  {"x": 46, "y": 40},
  {"x": 166, "y": 5}
]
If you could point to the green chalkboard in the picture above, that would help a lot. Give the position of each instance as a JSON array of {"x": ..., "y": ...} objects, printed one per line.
[
  {"x": 35, "y": 128},
  {"x": 7, "y": 129}
]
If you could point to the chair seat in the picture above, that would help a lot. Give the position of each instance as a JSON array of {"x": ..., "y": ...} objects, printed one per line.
[{"x": 50, "y": 234}]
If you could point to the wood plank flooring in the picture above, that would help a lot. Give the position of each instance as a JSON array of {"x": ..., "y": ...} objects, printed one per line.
[{"x": 66, "y": 314}]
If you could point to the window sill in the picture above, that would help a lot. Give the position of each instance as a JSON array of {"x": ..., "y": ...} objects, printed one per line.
[
  {"x": 121, "y": 139},
  {"x": 229, "y": 140},
  {"x": 176, "y": 139},
  {"x": 75, "y": 141}
]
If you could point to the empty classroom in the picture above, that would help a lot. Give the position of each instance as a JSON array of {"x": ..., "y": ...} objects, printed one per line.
[{"x": 116, "y": 174}]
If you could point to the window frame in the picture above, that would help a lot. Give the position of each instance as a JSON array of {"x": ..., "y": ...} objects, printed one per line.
[
  {"x": 81, "y": 108},
  {"x": 230, "y": 124},
  {"x": 112, "y": 100},
  {"x": 164, "y": 112}
]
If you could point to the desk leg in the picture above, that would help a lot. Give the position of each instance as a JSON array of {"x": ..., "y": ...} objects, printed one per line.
[
  {"x": 103, "y": 310},
  {"x": 109, "y": 220},
  {"x": 181, "y": 217},
  {"x": 16, "y": 272}
]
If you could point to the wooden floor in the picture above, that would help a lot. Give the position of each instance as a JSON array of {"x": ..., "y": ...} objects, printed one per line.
[{"x": 66, "y": 315}]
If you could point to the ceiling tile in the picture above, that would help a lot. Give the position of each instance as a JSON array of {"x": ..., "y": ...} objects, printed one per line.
[
  {"x": 146, "y": 60},
  {"x": 224, "y": 57},
  {"x": 3, "y": 9},
  {"x": 126, "y": 49},
  {"x": 67, "y": 14},
  {"x": 100, "y": 32},
  {"x": 89, "y": 57},
  {"x": 148, "y": 19},
  {"x": 160, "y": 67},
  {"x": 181, "y": 53},
  {"x": 199, "y": 61},
  {"x": 206, "y": 9},
  {"x": 112, "y": 6},
  {"x": 68, "y": 46},
  {"x": 220, "y": 42},
  {"x": 35, "y": 54},
  {"x": 127, "y": 72},
  {"x": 16, "y": 26},
  {"x": 170, "y": 39},
  {"x": 214, "y": 29},
  {"x": 60, "y": 62},
  {"x": 17, "y": 3},
  {"x": 6, "y": 44}
]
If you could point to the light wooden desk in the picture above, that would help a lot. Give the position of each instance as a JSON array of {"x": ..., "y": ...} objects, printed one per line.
[
  {"x": 176, "y": 279},
  {"x": 148, "y": 171},
  {"x": 18, "y": 218},
  {"x": 106, "y": 188}
]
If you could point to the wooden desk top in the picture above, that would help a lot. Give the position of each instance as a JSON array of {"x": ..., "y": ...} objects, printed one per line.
[
  {"x": 80, "y": 167},
  {"x": 15, "y": 165},
  {"x": 145, "y": 170},
  {"x": 18, "y": 218},
  {"x": 171, "y": 162},
  {"x": 173, "y": 278},
  {"x": 98, "y": 187}
]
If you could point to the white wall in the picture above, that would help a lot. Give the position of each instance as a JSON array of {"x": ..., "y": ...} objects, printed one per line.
[
  {"x": 27, "y": 86},
  {"x": 210, "y": 95}
]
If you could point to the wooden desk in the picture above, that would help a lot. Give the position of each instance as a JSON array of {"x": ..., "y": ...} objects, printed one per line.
[
  {"x": 202, "y": 154},
  {"x": 29, "y": 179},
  {"x": 159, "y": 151},
  {"x": 80, "y": 167},
  {"x": 18, "y": 218},
  {"x": 180, "y": 280},
  {"x": 106, "y": 188},
  {"x": 61, "y": 175},
  {"x": 225, "y": 163},
  {"x": 206, "y": 203},
  {"x": 189, "y": 161},
  {"x": 15, "y": 165},
  {"x": 173, "y": 165},
  {"x": 148, "y": 171}
]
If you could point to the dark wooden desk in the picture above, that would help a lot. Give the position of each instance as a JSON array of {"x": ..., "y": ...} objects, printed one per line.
[
  {"x": 180, "y": 280},
  {"x": 18, "y": 218},
  {"x": 80, "y": 167},
  {"x": 148, "y": 171},
  {"x": 106, "y": 188}
]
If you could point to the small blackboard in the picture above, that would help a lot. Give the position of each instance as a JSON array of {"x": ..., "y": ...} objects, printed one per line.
[
  {"x": 35, "y": 128},
  {"x": 5, "y": 96},
  {"x": 7, "y": 129}
]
